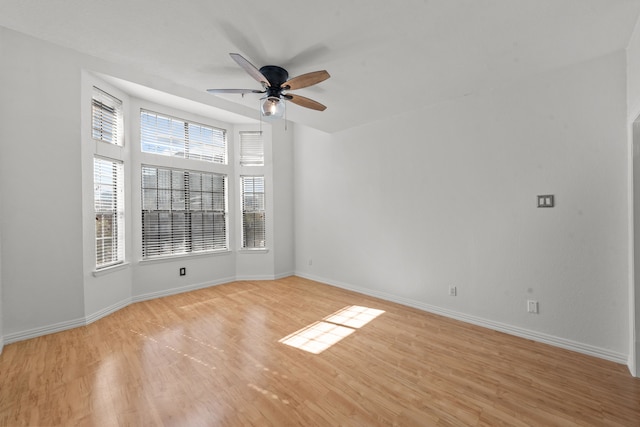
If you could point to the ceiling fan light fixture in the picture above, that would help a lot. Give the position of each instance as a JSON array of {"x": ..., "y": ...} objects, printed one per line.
[{"x": 273, "y": 107}]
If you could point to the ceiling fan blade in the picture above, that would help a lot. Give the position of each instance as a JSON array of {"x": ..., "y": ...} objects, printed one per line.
[
  {"x": 305, "y": 80},
  {"x": 242, "y": 91},
  {"x": 305, "y": 102},
  {"x": 250, "y": 69}
]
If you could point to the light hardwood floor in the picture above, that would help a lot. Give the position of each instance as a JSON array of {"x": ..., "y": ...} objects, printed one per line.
[{"x": 214, "y": 357}]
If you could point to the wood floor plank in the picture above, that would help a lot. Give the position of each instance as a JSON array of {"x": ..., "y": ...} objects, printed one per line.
[{"x": 214, "y": 357}]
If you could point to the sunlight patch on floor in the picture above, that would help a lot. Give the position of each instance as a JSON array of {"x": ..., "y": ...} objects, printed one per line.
[
  {"x": 354, "y": 316},
  {"x": 317, "y": 337},
  {"x": 321, "y": 335}
]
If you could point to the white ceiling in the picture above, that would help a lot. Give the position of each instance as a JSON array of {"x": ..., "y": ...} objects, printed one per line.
[{"x": 384, "y": 57}]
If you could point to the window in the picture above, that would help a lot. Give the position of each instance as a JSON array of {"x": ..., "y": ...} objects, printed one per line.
[
  {"x": 106, "y": 118},
  {"x": 253, "y": 220},
  {"x": 182, "y": 212},
  {"x": 251, "y": 149},
  {"x": 169, "y": 136},
  {"x": 109, "y": 210}
]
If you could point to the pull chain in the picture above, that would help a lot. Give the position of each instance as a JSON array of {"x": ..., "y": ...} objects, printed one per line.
[
  {"x": 285, "y": 115},
  {"x": 260, "y": 116}
]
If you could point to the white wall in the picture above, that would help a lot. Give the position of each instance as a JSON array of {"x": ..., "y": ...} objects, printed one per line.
[
  {"x": 633, "y": 74},
  {"x": 47, "y": 278},
  {"x": 2, "y": 86},
  {"x": 283, "y": 148},
  {"x": 40, "y": 181},
  {"x": 405, "y": 207},
  {"x": 633, "y": 115},
  {"x": 1, "y": 332}
]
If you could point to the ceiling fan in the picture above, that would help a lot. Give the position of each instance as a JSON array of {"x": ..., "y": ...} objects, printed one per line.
[{"x": 275, "y": 83}]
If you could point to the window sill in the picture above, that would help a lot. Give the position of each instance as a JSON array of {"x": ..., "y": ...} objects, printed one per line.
[
  {"x": 110, "y": 269},
  {"x": 253, "y": 251},
  {"x": 156, "y": 260}
]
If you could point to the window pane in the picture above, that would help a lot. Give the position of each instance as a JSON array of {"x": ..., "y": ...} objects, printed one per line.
[
  {"x": 164, "y": 200},
  {"x": 149, "y": 178},
  {"x": 198, "y": 230},
  {"x": 253, "y": 231},
  {"x": 181, "y": 221},
  {"x": 179, "y": 232},
  {"x": 106, "y": 117},
  {"x": 150, "y": 199},
  {"x": 207, "y": 201},
  {"x": 177, "y": 200},
  {"x": 251, "y": 149},
  {"x": 219, "y": 230},
  {"x": 207, "y": 182},
  {"x": 164, "y": 178},
  {"x": 150, "y": 234},
  {"x": 171, "y": 136},
  {"x": 109, "y": 212},
  {"x": 177, "y": 180},
  {"x": 195, "y": 181},
  {"x": 253, "y": 212}
]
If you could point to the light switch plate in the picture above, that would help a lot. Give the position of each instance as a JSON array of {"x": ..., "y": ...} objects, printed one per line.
[{"x": 546, "y": 201}]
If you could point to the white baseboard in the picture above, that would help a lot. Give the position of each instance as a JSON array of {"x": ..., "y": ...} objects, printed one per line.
[
  {"x": 631, "y": 360},
  {"x": 63, "y": 326},
  {"x": 266, "y": 276},
  {"x": 174, "y": 291},
  {"x": 497, "y": 326},
  {"x": 283, "y": 275},
  {"x": 489, "y": 324},
  {"x": 44, "y": 330},
  {"x": 258, "y": 277},
  {"x": 107, "y": 311}
]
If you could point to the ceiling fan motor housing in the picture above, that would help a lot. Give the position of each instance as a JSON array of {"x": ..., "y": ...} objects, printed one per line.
[{"x": 276, "y": 76}]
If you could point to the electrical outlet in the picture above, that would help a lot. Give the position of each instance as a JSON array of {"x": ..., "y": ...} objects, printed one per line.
[
  {"x": 183, "y": 271},
  {"x": 532, "y": 306},
  {"x": 310, "y": 261},
  {"x": 453, "y": 291}
]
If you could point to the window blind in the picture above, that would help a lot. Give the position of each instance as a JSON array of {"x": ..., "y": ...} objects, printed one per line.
[
  {"x": 106, "y": 117},
  {"x": 253, "y": 212},
  {"x": 182, "y": 212},
  {"x": 251, "y": 149},
  {"x": 109, "y": 211},
  {"x": 171, "y": 136}
]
